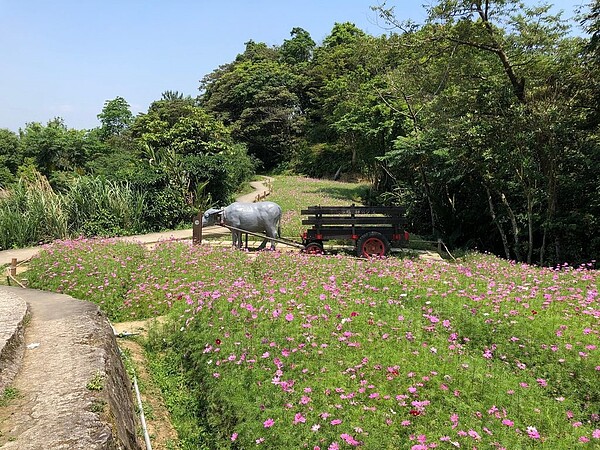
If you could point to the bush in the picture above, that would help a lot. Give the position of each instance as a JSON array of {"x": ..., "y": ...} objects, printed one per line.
[{"x": 320, "y": 161}]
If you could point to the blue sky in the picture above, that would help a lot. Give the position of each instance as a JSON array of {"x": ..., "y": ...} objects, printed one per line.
[{"x": 65, "y": 58}]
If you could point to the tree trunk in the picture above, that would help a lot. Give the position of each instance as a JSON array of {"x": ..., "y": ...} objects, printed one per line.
[
  {"x": 529, "y": 227},
  {"x": 428, "y": 194},
  {"x": 551, "y": 208},
  {"x": 515, "y": 227},
  {"x": 517, "y": 84},
  {"x": 500, "y": 230}
]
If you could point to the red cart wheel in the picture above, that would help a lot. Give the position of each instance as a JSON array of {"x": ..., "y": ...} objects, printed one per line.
[
  {"x": 314, "y": 248},
  {"x": 372, "y": 244}
]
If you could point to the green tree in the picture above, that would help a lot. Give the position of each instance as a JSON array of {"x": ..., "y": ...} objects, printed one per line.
[
  {"x": 10, "y": 156},
  {"x": 186, "y": 156},
  {"x": 499, "y": 119},
  {"x": 115, "y": 117},
  {"x": 55, "y": 148},
  {"x": 255, "y": 95},
  {"x": 349, "y": 108},
  {"x": 299, "y": 49}
]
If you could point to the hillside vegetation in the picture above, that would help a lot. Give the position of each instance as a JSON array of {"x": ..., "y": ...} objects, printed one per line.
[
  {"x": 286, "y": 350},
  {"x": 482, "y": 120}
]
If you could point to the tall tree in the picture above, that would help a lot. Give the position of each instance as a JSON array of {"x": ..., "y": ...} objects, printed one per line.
[
  {"x": 504, "y": 81},
  {"x": 298, "y": 49},
  {"x": 255, "y": 96},
  {"x": 115, "y": 117},
  {"x": 190, "y": 149},
  {"x": 56, "y": 148}
]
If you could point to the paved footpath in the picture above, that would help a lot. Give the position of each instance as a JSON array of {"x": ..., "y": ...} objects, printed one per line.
[{"x": 70, "y": 344}]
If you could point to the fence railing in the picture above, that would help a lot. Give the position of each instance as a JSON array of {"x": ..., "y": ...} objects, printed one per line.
[{"x": 265, "y": 193}]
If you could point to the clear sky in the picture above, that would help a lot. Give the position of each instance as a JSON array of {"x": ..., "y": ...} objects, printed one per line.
[{"x": 65, "y": 58}]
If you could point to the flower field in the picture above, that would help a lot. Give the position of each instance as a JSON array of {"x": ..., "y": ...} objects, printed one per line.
[{"x": 287, "y": 351}]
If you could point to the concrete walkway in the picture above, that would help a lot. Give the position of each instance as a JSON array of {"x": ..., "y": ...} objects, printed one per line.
[{"x": 72, "y": 389}]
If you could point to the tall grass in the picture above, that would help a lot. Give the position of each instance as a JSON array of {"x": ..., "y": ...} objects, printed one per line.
[
  {"x": 32, "y": 213},
  {"x": 99, "y": 207}
]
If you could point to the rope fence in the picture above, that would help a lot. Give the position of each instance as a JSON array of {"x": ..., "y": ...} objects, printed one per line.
[{"x": 268, "y": 184}]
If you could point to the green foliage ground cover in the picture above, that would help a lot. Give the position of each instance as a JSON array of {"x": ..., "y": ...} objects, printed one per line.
[
  {"x": 294, "y": 193},
  {"x": 287, "y": 350}
]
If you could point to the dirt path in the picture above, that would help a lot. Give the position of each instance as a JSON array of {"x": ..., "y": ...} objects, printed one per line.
[{"x": 163, "y": 435}]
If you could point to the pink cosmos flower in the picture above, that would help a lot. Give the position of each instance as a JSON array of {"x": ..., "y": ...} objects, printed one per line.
[
  {"x": 533, "y": 433},
  {"x": 268, "y": 423},
  {"x": 299, "y": 418},
  {"x": 454, "y": 420},
  {"x": 596, "y": 433},
  {"x": 289, "y": 317},
  {"x": 304, "y": 400},
  {"x": 508, "y": 423},
  {"x": 335, "y": 422},
  {"x": 234, "y": 436},
  {"x": 349, "y": 439},
  {"x": 475, "y": 435}
]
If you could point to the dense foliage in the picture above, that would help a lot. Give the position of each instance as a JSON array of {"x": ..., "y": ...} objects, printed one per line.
[
  {"x": 294, "y": 351},
  {"x": 483, "y": 121},
  {"x": 130, "y": 175}
]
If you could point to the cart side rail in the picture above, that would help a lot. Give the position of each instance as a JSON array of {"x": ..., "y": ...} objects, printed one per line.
[
  {"x": 360, "y": 220},
  {"x": 354, "y": 210}
]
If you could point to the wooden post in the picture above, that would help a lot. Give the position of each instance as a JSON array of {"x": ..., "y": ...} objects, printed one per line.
[
  {"x": 197, "y": 229},
  {"x": 439, "y": 242},
  {"x": 13, "y": 267}
]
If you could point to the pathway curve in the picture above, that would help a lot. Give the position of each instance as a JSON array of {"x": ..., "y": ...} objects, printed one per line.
[{"x": 69, "y": 379}]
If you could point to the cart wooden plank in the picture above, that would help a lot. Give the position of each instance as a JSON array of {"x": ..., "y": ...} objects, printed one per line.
[
  {"x": 360, "y": 220},
  {"x": 349, "y": 210}
]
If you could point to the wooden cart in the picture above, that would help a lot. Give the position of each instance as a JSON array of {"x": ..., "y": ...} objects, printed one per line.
[{"x": 373, "y": 229}]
